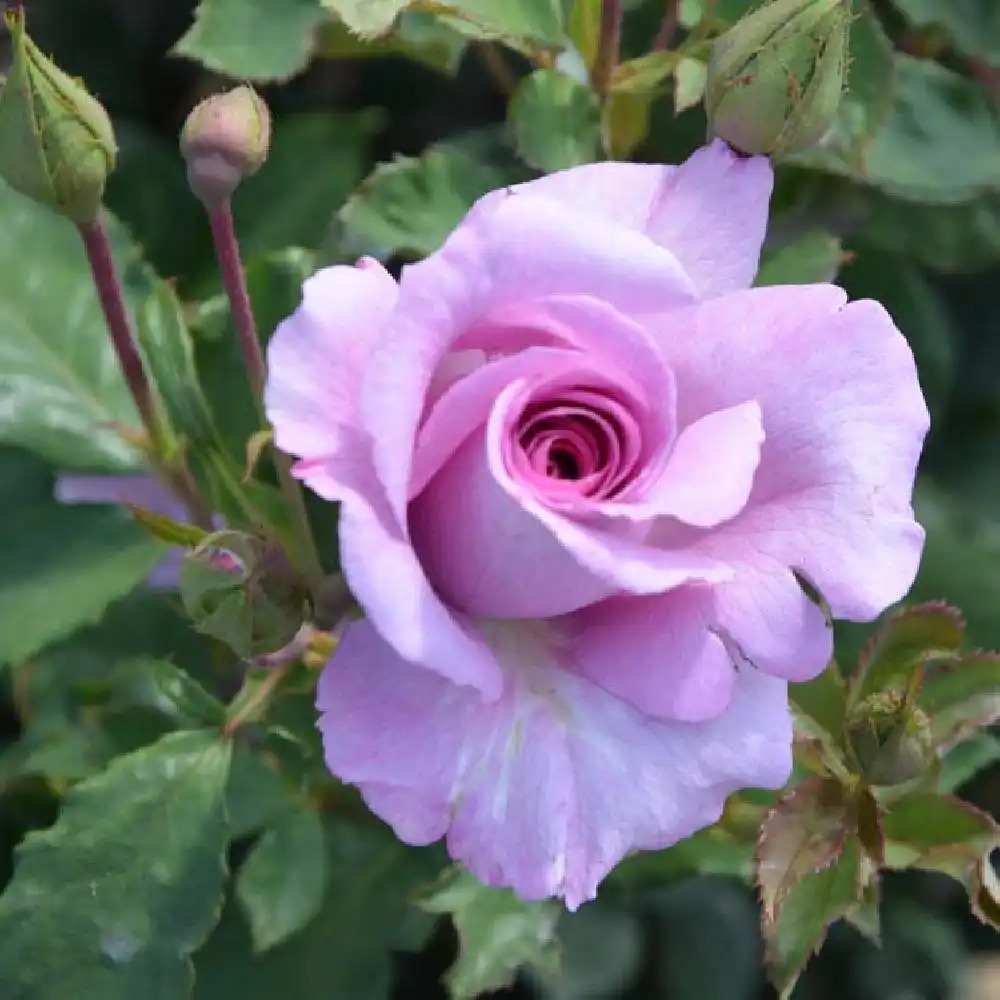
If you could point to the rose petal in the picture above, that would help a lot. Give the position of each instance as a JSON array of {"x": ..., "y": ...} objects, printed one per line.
[
  {"x": 317, "y": 358},
  {"x": 548, "y": 788},
  {"x": 768, "y": 621},
  {"x": 593, "y": 328},
  {"x": 710, "y": 213},
  {"x": 844, "y": 422},
  {"x": 661, "y": 653},
  {"x": 513, "y": 251},
  {"x": 390, "y": 584},
  {"x": 609, "y": 551},
  {"x": 486, "y": 555},
  {"x": 709, "y": 474},
  {"x": 530, "y": 561},
  {"x": 464, "y": 407}
]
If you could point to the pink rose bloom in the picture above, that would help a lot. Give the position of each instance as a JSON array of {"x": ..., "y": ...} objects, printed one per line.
[{"x": 578, "y": 459}]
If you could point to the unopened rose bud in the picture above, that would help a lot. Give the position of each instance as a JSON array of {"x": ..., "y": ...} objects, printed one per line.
[
  {"x": 57, "y": 145},
  {"x": 243, "y": 591},
  {"x": 225, "y": 139},
  {"x": 775, "y": 79},
  {"x": 891, "y": 739}
]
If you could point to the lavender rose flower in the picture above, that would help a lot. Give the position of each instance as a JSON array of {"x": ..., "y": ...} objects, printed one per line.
[{"x": 580, "y": 464}]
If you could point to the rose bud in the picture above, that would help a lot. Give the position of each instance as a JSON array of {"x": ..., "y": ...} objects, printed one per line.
[
  {"x": 225, "y": 139},
  {"x": 242, "y": 591},
  {"x": 57, "y": 145},
  {"x": 891, "y": 739},
  {"x": 775, "y": 79}
]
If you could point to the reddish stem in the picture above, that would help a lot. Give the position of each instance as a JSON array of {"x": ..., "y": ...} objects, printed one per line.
[
  {"x": 608, "y": 45},
  {"x": 98, "y": 248},
  {"x": 227, "y": 250},
  {"x": 668, "y": 27},
  {"x": 109, "y": 293}
]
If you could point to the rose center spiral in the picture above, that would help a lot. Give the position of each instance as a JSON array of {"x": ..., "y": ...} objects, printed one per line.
[{"x": 583, "y": 442}]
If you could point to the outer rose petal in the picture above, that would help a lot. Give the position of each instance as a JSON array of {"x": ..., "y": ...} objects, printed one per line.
[
  {"x": 316, "y": 362},
  {"x": 548, "y": 788},
  {"x": 710, "y": 212},
  {"x": 844, "y": 421},
  {"x": 390, "y": 583},
  {"x": 662, "y": 653},
  {"x": 768, "y": 621},
  {"x": 510, "y": 251}
]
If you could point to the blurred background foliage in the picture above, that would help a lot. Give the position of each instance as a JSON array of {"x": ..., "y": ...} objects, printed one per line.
[{"x": 380, "y": 147}]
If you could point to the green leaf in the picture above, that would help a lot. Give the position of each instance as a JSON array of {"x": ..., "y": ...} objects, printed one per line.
[
  {"x": 973, "y": 25},
  {"x": 253, "y": 39},
  {"x": 166, "y": 529},
  {"x": 410, "y": 206},
  {"x": 584, "y": 28},
  {"x": 688, "y": 928},
  {"x": 283, "y": 880},
  {"x": 690, "y": 78},
  {"x": 135, "y": 704},
  {"x": 556, "y": 121},
  {"x": 966, "y": 760},
  {"x": 257, "y": 794},
  {"x": 60, "y": 386},
  {"x": 497, "y": 932},
  {"x": 939, "y": 833},
  {"x": 625, "y": 122},
  {"x": 368, "y": 18},
  {"x": 517, "y": 21},
  {"x": 535, "y": 21},
  {"x": 904, "y": 640},
  {"x": 109, "y": 689},
  {"x": 961, "y": 559},
  {"x": 62, "y": 565},
  {"x": 963, "y": 697},
  {"x": 804, "y": 833},
  {"x": 821, "y": 704},
  {"x": 423, "y": 38},
  {"x": 169, "y": 355},
  {"x": 645, "y": 74},
  {"x": 96, "y": 718},
  {"x": 867, "y": 101},
  {"x": 601, "y": 948},
  {"x": 128, "y": 881},
  {"x": 344, "y": 951},
  {"x": 168, "y": 690},
  {"x": 941, "y": 143},
  {"x": 708, "y": 852},
  {"x": 812, "y": 905},
  {"x": 813, "y": 257},
  {"x": 316, "y": 161},
  {"x": 950, "y": 238}
]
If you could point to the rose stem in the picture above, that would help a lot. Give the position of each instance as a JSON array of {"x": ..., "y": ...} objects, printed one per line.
[
  {"x": 227, "y": 250},
  {"x": 607, "y": 46},
  {"x": 668, "y": 27},
  {"x": 109, "y": 293}
]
